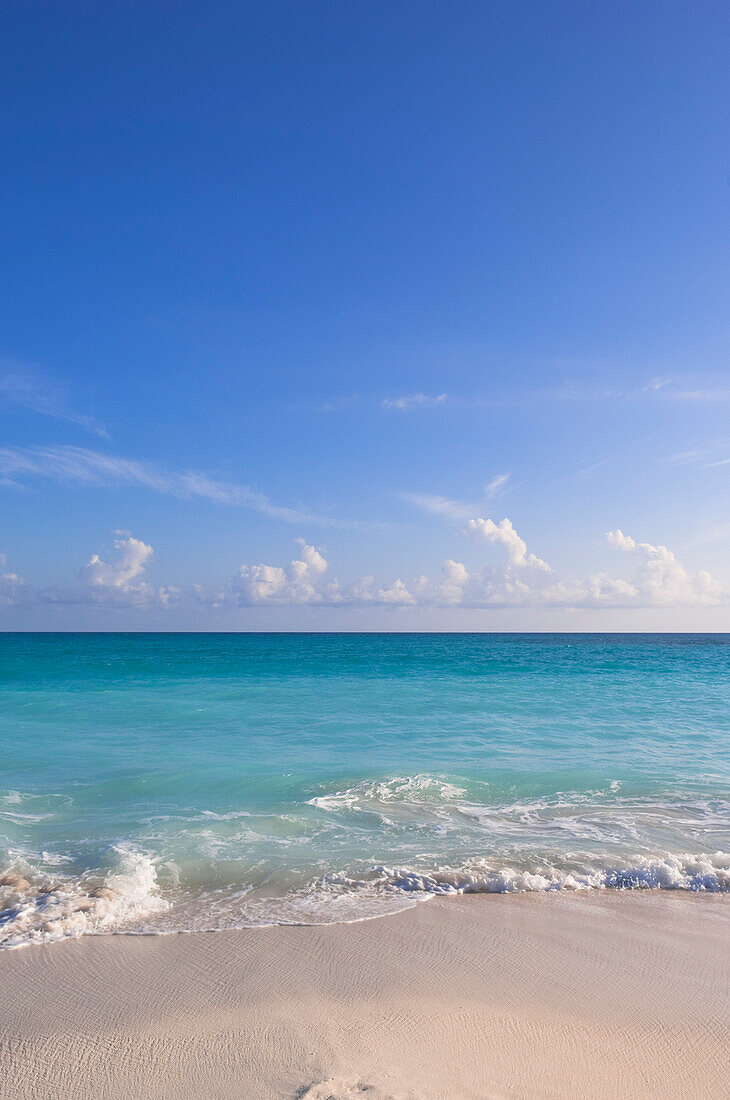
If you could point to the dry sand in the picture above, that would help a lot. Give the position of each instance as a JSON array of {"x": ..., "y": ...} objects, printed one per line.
[{"x": 531, "y": 996}]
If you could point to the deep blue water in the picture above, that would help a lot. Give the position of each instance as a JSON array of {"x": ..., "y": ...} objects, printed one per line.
[{"x": 162, "y": 781}]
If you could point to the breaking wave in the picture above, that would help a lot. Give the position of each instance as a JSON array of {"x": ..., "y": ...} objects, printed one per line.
[
  {"x": 40, "y": 909},
  {"x": 364, "y": 850}
]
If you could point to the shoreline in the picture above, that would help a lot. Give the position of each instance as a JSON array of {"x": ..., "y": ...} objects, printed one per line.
[
  {"x": 524, "y": 995},
  {"x": 37, "y": 909}
]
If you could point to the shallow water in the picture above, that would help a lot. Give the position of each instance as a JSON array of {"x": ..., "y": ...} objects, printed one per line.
[{"x": 162, "y": 782}]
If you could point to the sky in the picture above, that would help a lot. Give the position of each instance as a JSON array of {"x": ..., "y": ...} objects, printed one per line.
[{"x": 384, "y": 316}]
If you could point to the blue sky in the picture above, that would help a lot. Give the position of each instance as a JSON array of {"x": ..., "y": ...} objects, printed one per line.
[{"x": 375, "y": 277}]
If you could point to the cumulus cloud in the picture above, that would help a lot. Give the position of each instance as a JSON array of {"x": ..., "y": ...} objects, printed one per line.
[
  {"x": 408, "y": 401},
  {"x": 367, "y": 591},
  {"x": 132, "y": 558},
  {"x": 122, "y": 580},
  {"x": 661, "y": 579},
  {"x": 87, "y": 467},
  {"x": 455, "y": 579},
  {"x": 619, "y": 540},
  {"x": 119, "y": 582},
  {"x": 458, "y": 587},
  {"x": 486, "y": 530},
  {"x": 523, "y": 581},
  {"x": 303, "y": 581},
  {"x": 11, "y": 585}
]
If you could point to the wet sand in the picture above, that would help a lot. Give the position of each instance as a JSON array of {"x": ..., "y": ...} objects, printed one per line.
[{"x": 557, "y": 995}]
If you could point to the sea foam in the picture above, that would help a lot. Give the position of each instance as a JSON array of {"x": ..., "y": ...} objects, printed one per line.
[
  {"x": 36, "y": 909},
  {"x": 159, "y": 783}
]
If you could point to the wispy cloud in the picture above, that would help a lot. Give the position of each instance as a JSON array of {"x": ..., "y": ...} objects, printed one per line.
[
  {"x": 441, "y": 506},
  {"x": 707, "y": 455},
  {"x": 496, "y": 485},
  {"x": 655, "y": 385},
  {"x": 719, "y": 533},
  {"x": 688, "y": 389},
  {"x": 662, "y": 390},
  {"x": 337, "y": 404},
  {"x": 699, "y": 396},
  {"x": 30, "y": 389},
  {"x": 407, "y": 402},
  {"x": 86, "y": 467},
  {"x": 458, "y": 509}
]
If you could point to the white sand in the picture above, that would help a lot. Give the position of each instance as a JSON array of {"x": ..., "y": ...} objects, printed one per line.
[{"x": 532, "y": 996}]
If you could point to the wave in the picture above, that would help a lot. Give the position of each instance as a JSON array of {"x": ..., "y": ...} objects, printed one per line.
[
  {"x": 417, "y": 789},
  {"x": 130, "y": 900},
  {"x": 451, "y": 816},
  {"x": 362, "y": 851},
  {"x": 37, "y": 909},
  {"x": 709, "y": 872}
]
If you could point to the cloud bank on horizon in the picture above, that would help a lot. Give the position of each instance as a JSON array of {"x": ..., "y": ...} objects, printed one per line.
[
  {"x": 510, "y": 577},
  {"x": 523, "y": 580}
]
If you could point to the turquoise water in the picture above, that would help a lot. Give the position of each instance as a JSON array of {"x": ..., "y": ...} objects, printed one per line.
[{"x": 163, "y": 782}]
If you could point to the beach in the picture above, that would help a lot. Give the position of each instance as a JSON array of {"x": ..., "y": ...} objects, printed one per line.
[
  {"x": 365, "y": 551},
  {"x": 387, "y": 868},
  {"x": 594, "y": 994}
]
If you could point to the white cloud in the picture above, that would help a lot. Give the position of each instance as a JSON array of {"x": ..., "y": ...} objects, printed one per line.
[
  {"x": 450, "y": 591},
  {"x": 486, "y": 530},
  {"x": 719, "y": 533},
  {"x": 496, "y": 485},
  {"x": 29, "y": 389},
  {"x": 121, "y": 581},
  {"x": 692, "y": 390},
  {"x": 709, "y": 396},
  {"x": 619, "y": 540},
  {"x": 87, "y": 467},
  {"x": 367, "y": 591},
  {"x": 396, "y": 594},
  {"x": 130, "y": 564},
  {"x": 441, "y": 506},
  {"x": 336, "y": 404},
  {"x": 487, "y": 588},
  {"x": 409, "y": 401},
  {"x": 303, "y": 581},
  {"x": 709, "y": 455},
  {"x": 118, "y": 582},
  {"x": 525, "y": 581},
  {"x": 457, "y": 509},
  {"x": 661, "y": 579},
  {"x": 11, "y": 586}
]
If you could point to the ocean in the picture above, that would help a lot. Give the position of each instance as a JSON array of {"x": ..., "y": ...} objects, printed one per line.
[{"x": 157, "y": 783}]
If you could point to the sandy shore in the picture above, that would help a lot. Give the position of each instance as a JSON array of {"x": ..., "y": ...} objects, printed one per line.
[{"x": 530, "y": 996}]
